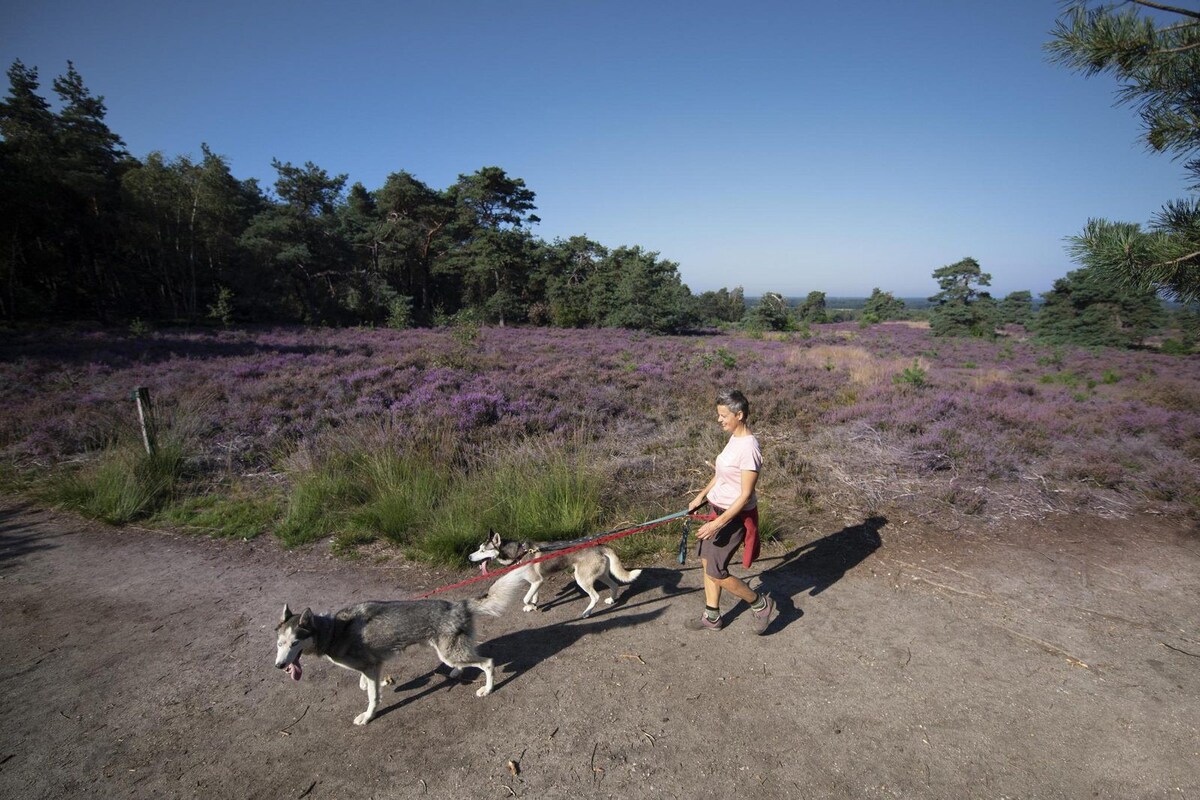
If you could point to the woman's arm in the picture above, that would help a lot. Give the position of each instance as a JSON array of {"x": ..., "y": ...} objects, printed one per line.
[
  {"x": 710, "y": 529},
  {"x": 702, "y": 498}
]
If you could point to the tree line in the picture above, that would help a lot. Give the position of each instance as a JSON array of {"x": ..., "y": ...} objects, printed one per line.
[{"x": 90, "y": 232}]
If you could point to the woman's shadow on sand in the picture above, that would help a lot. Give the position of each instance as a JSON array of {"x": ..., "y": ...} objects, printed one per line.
[{"x": 817, "y": 565}]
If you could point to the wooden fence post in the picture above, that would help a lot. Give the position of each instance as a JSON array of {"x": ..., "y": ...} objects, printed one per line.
[{"x": 141, "y": 396}]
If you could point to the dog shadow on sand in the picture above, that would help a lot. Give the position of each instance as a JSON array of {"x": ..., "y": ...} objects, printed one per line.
[
  {"x": 812, "y": 567},
  {"x": 815, "y": 566},
  {"x": 519, "y": 651}
]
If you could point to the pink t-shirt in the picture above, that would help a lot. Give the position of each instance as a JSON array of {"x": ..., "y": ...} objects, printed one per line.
[{"x": 741, "y": 453}]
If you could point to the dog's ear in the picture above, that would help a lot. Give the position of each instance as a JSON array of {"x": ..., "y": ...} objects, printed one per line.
[
  {"x": 287, "y": 613},
  {"x": 306, "y": 617},
  {"x": 493, "y": 537}
]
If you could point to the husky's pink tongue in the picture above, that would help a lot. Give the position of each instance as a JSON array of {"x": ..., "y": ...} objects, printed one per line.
[
  {"x": 483, "y": 567},
  {"x": 294, "y": 670}
]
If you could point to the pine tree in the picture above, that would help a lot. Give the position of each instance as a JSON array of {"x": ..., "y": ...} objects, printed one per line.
[
  {"x": 31, "y": 272},
  {"x": 1017, "y": 308},
  {"x": 1086, "y": 309},
  {"x": 882, "y": 306},
  {"x": 1158, "y": 69},
  {"x": 813, "y": 309},
  {"x": 961, "y": 310}
]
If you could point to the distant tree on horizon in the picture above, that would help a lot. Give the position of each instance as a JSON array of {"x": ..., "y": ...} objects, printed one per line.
[
  {"x": 961, "y": 310},
  {"x": 722, "y": 306},
  {"x": 771, "y": 313},
  {"x": 812, "y": 310},
  {"x": 881, "y": 306},
  {"x": 1017, "y": 308}
]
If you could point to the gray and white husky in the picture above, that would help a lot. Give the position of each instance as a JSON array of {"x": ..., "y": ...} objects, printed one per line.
[
  {"x": 362, "y": 637},
  {"x": 590, "y": 565}
]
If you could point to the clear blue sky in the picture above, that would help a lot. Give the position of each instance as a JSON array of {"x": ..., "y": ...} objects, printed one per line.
[{"x": 785, "y": 146}]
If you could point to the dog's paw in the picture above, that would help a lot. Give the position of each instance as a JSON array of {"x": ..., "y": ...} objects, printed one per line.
[
  {"x": 530, "y": 607},
  {"x": 608, "y": 602},
  {"x": 388, "y": 680},
  {"x": 363, "y": 718},
  {"x": 482, "y": 691}
]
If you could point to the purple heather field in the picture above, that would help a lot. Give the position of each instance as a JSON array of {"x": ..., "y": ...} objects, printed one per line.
[{"x": 851, "y": 419}]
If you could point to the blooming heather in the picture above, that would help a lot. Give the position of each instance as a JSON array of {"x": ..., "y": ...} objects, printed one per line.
[{"x": 1037, "y": 427}]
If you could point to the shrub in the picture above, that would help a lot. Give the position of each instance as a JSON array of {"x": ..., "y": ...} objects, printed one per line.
[
  {"x": 400, "y": 313},
  {"x": 221, "y": 311},
  {"x": 913, "y": 376},
  {"x": 1177, "y": 347}
]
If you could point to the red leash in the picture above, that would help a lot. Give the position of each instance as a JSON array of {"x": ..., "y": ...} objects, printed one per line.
[{"x": 555, "y": 554}]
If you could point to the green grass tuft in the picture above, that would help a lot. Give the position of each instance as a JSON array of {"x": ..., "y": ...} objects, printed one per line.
[
  {"x": 219, "y": 515},
  {"x": 124, "y": 485}
]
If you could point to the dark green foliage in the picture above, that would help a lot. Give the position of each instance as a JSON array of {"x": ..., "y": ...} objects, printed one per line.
[
  {"x": 721, "y": 306},
  {"x": 912, "y": 376},
  {"x": 648, "y": 293},
  {"x": 1017, "y": 309},
  {"x": 812, "y": 310},
  {"x": 1156, "y": 61},
  {"x": 61, "y": 201},
  {"x": 587, "y": 285},
  {"x": 961, "y": 310},
  {"x": 772, "y": 313},
  {"x": 1085, "y": 308},
  {"x": 882, "y": 306},
  {"x": 87, "y": 232}
]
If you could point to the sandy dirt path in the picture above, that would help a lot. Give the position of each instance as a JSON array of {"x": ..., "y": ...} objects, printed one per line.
[{"x": 1062, "y": 660}]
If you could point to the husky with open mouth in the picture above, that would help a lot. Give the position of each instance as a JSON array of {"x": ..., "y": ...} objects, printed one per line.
[{"x": 363, "y": 636}]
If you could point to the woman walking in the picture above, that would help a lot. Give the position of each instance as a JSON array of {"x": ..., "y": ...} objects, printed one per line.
[{"x": 731, "y": 495}]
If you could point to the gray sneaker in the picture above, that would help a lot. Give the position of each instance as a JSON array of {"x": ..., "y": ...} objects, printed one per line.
[
  {"x": 703, "y": 623},
  {"x": 762, "y": 617}
]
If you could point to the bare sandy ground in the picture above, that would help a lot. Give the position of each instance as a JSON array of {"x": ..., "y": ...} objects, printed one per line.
[{"x": 1056, "y": 659}]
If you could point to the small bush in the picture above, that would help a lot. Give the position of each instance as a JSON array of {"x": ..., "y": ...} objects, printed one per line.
[
  {"x": 1177, "y": 347},
  {"x": 400, "y": 313},
  {"x": 222, "y": 310},
  {"x": 1052, "y": 359},
  {"x": 913, "y": 376}
]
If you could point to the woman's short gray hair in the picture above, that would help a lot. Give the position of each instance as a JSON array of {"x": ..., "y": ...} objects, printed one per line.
[{"x": 735, "y": 401}]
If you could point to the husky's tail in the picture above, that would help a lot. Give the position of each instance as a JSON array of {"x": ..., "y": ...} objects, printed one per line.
[
  {"x": 616, "y": 568},
  {"x": 502, "y": 594}
]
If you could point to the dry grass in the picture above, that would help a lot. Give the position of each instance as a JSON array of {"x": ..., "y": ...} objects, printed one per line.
[
  {"x": 864, "y": 369},
  {"x": 989, "y": 377},
  {"x": 919, "y": 324}
]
